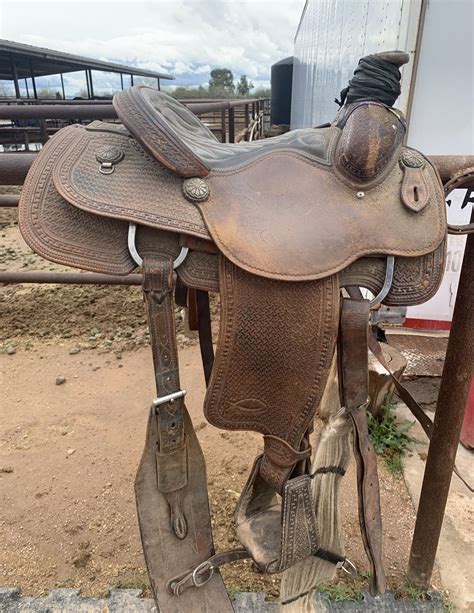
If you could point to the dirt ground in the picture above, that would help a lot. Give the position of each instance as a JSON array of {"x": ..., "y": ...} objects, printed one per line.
[{"x": 76, "y": 381}]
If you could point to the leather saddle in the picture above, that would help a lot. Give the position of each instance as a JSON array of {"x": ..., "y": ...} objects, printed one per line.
[{"x": 279, "y": 227}]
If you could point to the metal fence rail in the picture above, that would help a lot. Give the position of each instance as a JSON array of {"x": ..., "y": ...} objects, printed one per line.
[{"x": 224, "y": 115}]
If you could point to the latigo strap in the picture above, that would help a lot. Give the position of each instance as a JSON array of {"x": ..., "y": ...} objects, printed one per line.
[{"x": 171, "y": 485}]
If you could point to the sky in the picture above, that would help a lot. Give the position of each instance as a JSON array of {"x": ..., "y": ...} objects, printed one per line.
[{"x": 186, "y": 38}]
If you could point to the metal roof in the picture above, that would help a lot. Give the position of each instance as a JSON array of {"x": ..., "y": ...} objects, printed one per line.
[{"x": 42, "y": 62}]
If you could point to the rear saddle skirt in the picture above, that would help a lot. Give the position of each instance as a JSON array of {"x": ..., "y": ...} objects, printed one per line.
[{"x": 279, "y": 227}]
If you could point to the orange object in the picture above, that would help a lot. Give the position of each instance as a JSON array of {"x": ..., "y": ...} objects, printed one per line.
[{"x": 467, "y": 430}]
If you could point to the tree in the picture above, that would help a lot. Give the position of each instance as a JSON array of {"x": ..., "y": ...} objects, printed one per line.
[
  {"x": 244, "y": 86},
  {"x": 222, "y": 78}
]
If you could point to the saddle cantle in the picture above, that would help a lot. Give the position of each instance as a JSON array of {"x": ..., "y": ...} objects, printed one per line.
[{"x": 279, "y": 228}]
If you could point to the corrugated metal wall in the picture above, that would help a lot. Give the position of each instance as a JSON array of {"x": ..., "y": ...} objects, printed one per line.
[{"x": 332, "y": 36}]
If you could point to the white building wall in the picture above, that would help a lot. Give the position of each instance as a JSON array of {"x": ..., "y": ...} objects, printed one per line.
[{"x": 331, "y": 38}]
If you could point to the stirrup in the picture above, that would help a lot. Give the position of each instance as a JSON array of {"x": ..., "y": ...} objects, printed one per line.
[
  {"x": 132, "y": 248},
  {"x": 387, "y": 284}
]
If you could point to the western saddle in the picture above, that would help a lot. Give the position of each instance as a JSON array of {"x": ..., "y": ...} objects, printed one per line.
[{"x": 285, "y": 229}]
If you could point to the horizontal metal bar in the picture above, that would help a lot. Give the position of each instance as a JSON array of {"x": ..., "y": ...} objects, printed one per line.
[
  {"x": 59, "y": 111},
  {"x": 449, "y": 165},
  {"x": 69, "y": 278},
  {"x": 94, "y": 110},
  {"x": 14, "y": 167},
  {"x": 36, "y": 101},
  {"x": 7, "y": 200}
]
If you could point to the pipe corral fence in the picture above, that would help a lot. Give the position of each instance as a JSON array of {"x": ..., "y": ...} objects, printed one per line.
[
  {"x": 237, "y": 120},
  {"x": 24, "y": 123}
]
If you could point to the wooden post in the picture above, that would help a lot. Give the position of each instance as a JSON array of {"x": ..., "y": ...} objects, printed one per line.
[{"x": 380, "y": 382}]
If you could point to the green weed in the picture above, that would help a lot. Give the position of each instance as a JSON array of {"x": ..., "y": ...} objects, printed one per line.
[
  {"x": 350, "y": 590},
  {"x": 389, "y": 438}
]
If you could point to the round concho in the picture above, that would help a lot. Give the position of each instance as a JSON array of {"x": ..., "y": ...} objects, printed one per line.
[
  {"x": 196, "y": 189},
  {"x": 412, "y": 158},
  {"x": 109, "y": 154}
]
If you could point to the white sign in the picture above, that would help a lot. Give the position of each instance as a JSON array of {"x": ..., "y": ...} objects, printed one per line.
[{"x": 440, "y": 307}]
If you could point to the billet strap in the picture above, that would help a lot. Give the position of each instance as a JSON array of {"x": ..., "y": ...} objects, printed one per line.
[
  {"x": 353, "y": 388},
  {"x": 202, "y": 317},
  {"x": 158, "y": 288}
]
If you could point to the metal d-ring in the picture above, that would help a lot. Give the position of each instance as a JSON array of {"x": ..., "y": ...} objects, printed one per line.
[
  {"x": 387, "y": 284},
  {"x": 132, "y": 248}
]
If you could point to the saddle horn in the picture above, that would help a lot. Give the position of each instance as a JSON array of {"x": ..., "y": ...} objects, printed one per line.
[{"x": 372, "y": 132}]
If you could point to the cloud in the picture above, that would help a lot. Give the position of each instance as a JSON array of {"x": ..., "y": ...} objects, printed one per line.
[{"x": 186, "y": 38}]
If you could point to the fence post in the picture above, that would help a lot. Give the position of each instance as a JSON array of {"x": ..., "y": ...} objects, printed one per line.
[
  {"x": 452, "y": 399},
  {"x": 231, "y": 124},
  {"x": 246, "y": 113},
  {"x": 223, "y": 126}
]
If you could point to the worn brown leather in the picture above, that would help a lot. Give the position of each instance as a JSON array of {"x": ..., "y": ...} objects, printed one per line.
[
  {"x": 170, "y": 486},
  {"x": 354, "y": 388},
  {"x": 284, "y": 217},
  {"x": 88, "y": 239},
  {"x": 371, "y": 138},
  {"x": 278, "y": 534},
  {"x": 266, "y": 377},
  {"x": 167, "y": 556}
]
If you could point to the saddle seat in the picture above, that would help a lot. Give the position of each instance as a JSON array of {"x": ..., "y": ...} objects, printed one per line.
[{"x": 173, "y": 135}]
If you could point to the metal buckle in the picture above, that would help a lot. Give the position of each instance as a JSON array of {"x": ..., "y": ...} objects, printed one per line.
[
  {"x": 132, "y": 248},
  {"x": 361, "y": 406},
  {"x": 387, "y": 284},
  {"x": 347, "y": 566},
  {"x": 168, "y": 398},
  {"x": 206, "y": 565}
]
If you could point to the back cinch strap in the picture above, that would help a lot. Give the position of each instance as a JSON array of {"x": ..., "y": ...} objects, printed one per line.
[{"x": 201, "y": 574}]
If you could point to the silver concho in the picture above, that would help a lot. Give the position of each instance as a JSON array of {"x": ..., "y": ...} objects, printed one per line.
[
  {"x": 196, "y": 190},
  {"x": 108, "y": 156},
  {"x": 412, "y": 159}
]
